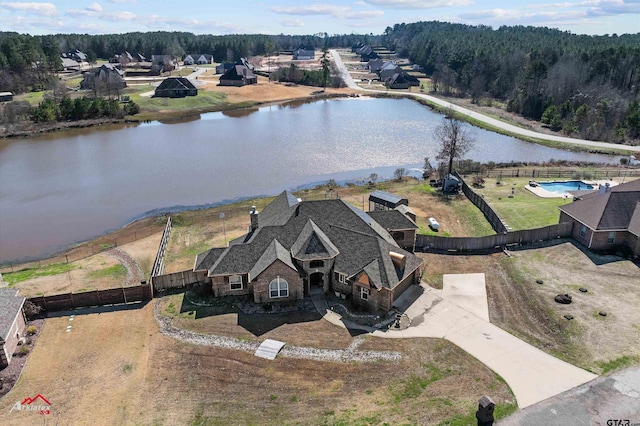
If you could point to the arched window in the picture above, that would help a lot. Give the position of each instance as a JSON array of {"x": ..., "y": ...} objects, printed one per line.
[
  {"x": 278, "y": 288},
  {"x": 317, "y": 264}
]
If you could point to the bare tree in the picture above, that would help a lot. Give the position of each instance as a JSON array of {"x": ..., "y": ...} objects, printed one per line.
[{"x": 455, "y": 139}]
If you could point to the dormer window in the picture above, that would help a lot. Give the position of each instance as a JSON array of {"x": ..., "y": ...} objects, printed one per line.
[{"x": 342, "y": 278}]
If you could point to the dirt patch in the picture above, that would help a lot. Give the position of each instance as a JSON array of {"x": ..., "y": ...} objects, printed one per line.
[
  {"x": 266, "y": 92},
  {"x": 78, "y": 279},
  {"x": 153, "y": 379},
  {"x": 613, "y": 286}
]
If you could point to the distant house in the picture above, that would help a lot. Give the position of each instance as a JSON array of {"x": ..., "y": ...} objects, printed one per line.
[
  {"x": 76, "y": 55},
  {"x": 294, "y": 247},
  {"x": 12, "y": 323},
  {"x": 224, "y": 67},
  {"x": 304, "y": 53},
  {"x": 388, "y": 69},
  {"x": 107, "y": 76},
  {"x": 6, "y": 96},
  {"x": 163, "y": 63},
  {"x": 356, "y": 47},
  {"x": 607, "y": 219},
  {"x": 126, "y": 59},
  {"x": 397, "y": 81},
  {"x": 198, "y": 59},
  {"x": 366, "y": 54},
  {"x": 69, "y": 64},
  {"x": 374, "y": 65},
  {"x": 175, "y": 87},
  {"x": 241, "y": 74}
]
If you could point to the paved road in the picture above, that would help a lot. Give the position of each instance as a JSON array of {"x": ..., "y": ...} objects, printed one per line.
[
  {"x": 515, "y": 130},
  {"x": 600, "y": 402}
]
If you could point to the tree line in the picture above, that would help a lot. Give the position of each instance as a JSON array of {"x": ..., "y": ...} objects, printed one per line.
[
  {"x": 586, "y": 86},
  {"x": 81, "y": 108},
  {"x": 28, "y": 63}
]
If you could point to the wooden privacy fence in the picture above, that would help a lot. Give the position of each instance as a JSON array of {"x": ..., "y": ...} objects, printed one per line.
[
  {"x": 177, "y": 280},
  {"x": 492, "y": 217},
  {"x": 158, "y": 264},
  {"x": 545, "y": 172},
  {"x": 113, "y": 296},
  {"x": 526, "y": 236}
]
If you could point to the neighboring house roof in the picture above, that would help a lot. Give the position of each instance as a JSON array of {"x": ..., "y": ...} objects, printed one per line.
[
  {"x": 314, "y": 230},
  {"x": 175, "y": 87},
  {"x": 10, "y": 306},
  {"x": 387, "y": 197},
  {"x": 238, "y": 72},
  {"x": 392, "y": 219},
  {"x": 70, "y": 63},
  {"x": 397, "y": 79},
  {"x": 612, "y": 209}
]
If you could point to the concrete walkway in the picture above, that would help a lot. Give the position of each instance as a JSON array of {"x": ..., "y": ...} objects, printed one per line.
[
  {"x": 459, "y": 314},
  {"x": 514, "y": 130}
]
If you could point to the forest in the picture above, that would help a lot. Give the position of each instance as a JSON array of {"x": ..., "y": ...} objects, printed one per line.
[{"x": 584, "y": 86}]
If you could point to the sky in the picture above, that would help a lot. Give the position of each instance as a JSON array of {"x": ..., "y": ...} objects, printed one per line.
[{"x": 219, "y": 17}]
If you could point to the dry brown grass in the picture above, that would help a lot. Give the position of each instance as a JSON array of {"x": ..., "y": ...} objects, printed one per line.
[
  {"x": 267, "y": 92},
  {"x": 115, "y": 368},
  {"x": 85, "y": 273}
]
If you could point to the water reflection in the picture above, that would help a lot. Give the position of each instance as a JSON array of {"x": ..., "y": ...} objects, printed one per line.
[{"x": 60, "y": 188}]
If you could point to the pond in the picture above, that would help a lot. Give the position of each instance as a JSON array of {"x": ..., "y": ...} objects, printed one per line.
[{"x": 66, "y": 187}]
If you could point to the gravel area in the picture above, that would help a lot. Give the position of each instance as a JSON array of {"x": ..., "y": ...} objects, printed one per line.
[
  {"x": 134, "y": 272},
  {"x": 336, "y": 355}
]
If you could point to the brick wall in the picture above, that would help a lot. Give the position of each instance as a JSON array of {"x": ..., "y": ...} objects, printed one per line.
[
  {"x": 261, "y": 292},
  {"x": 221, "y": 287},
  {"x": 405, "y": 239},
  {"x": 16, "y": 331}
]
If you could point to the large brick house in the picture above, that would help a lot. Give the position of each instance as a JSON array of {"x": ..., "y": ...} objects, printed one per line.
[
  {"x": 608, "y": 219},
  {"x": 12, "y": 323},
  {"x": 294, "y": 245}
]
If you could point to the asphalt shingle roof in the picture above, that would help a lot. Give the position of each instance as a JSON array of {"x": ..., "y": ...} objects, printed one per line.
[
  {"x": 611, "y": 210},
  {"x": 392, "y": 219},
  {"x": 357, "y": 239},
  {"x": 10, "y": 305}
]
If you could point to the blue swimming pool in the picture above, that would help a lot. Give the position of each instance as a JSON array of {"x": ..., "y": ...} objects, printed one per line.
[{"x": 561, "y": 187}]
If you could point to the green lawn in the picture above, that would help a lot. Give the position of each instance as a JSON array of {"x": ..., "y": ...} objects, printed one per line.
[
  {"x": 525, "y": 210},
  {"x": 34, "y": 98},
  {"x": 26, "y": 274},
  {"x": 204, "y": 100}
]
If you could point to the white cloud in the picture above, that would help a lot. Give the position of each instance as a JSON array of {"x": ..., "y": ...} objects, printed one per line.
[
  {"x": 567, "y": 13},
  {"x": 294, "y": 22},
  {"x": 340, "y": 12},
  {"x": 44, "y": 9},
  {"x": 314, "y": 9},
  {"x": 95, "y": 7},
  {"x": 364, "y": 14},
  {"x": 419, "y": 4}
]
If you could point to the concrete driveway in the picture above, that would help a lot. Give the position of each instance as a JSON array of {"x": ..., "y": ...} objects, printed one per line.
[{"x": 459, "y": 313}]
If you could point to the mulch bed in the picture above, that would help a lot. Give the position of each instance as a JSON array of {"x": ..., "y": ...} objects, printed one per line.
[{"x": 9, "y": 375}]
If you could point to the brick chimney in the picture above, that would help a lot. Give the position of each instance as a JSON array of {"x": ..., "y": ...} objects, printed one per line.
[{"x": 254, "y": 219}]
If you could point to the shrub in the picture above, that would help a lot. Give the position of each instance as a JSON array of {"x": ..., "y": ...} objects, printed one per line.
[
  {"x": 31, "y": 330},
  {"x": 31, "y": 309}
]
